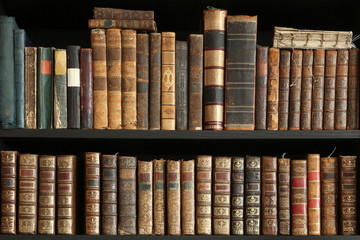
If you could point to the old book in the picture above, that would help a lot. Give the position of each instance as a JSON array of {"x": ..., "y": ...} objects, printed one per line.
[
  {"x": 221, "y": 196},
  {"x": 173, "y": 197},
  {"x": 154, "y": 81},
  {"x": 60, "y": 89},
  {"x": 196, "y": 58},
  {"x": 86, "y": 89},
  {"x": 314, "y": 196},
  {"x": 9, "y": 187},
  {"x": 203, "y": 195},
  {"x": 188, "y": 197},
  {"x": 30, "y": 87},
  {"x": 128, "y": 79},
  {"x": 109, "y": 190},
  {"x": 240, "y": 61},
  {"x": 353, "y": 91},
  {"x": 284, "y": 195},
  {"x": 159, "y": 196},
  {"x": 341, "y": 89},
  {"x": 181, "y": 82},
  {"x": 329, "y": 89},
  {"x": 28, "y": 194},
  {"x": 134, "y": 24},
  {"x": 306, "y": 89},
  {"x": 285, "y": 37},
  {"x": 237, "y": 196},
  {"x": 295, "y": 89},
  {"x": 113, "y": 65},
  {"x": 19, "y": 64},
  {"x": 272, "y": 111},
  {"x": 317, "y": 106},
  {"x": 348, "y": 220},
  {"x": 214, "y": 68},
  {"x": 73, "y": 86},
  {"x": 284, "y": 88},
  {"x": 127, "y": 195},
  {"x": 142, "y": 81},
  {"x": 47, "y": 195},
  {"x": 145, "y": 197},
  {"x": 329, "y": 195},
  {"x": 66, "y": 194},
  {"x": 261, "y": 87},
  {"x": 168, "y": 84},
  {"x": 299, "y": 216},
  {"x": 116, "y": 13},
  {"x": 92, "y": 193},
  {"x": 252, "y": 195}
]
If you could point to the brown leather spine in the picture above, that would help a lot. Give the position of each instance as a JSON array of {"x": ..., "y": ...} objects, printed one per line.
[
  {"x": 30, "y": 87},
  {"x": 272, "y": 118},
  {"x": 341, "y": 89},
  {"x": 295, "y": 89},
  {"x": 261, "y": 87},
  {"x": 159, "y": 196},
  {"x": 117, "y": 13},
  {"x": 313, "y": 186},
  {"x": 329, "y": 89},
  {"x": 284, "y": 87},
  {"x": 188, "y": 197},
  {"x": 237, "y": 196},
  {"x": 134, "y": 24},
  {"x": 173, "y": 197},
  {"x": 318, "y": 90},
  {"x": 306, "y": 89},
  {"x": 353, "y": 90},
  {"x": 284, "y": 195},
  {"x": 155, "y": 81},
  {"x": 145, "y": 197}
]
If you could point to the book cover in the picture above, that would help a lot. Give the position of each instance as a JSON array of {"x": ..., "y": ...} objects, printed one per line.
[
  {"x": 314, "y": 194},
  {"x": 284, "y": 195},
  {"x": 30, "y": 87},
  {"x": 86, "y": 89},
  {"x": 117, "y": 13},
  {"x": 237, "y": 196},
  {"x": 261, "y": 87},
  {"x": 181, "y": 88},
  {"x": 159, "y": 196},
  {"x": 329, "y": 89},
  {"x": 73, "y": 86},
  {"x": 284, "y": 89},
  {"x": 295, "y": 89},
  {"x": 341, "y": 89},
  {"x": 173, "y": 169},
  {"x": 188, "y": 197},
  {"x": 306, "y": 89},
  {"x": 134, "y": 24},
  {"x": 272, "y": 108},
  {"x": 317, "y": 107},
  {"x": 19, "y": 64},
  {"x": 60, "y": 89},
  {"x": 145, "y": 197},
  {"x": 142, "y": 80},
  {"x": 154, "y": 81},
  {"x": 353, "y": 91}
]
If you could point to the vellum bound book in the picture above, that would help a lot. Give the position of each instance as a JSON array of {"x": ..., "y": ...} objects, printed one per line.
[{"x": 311, "y": 39}]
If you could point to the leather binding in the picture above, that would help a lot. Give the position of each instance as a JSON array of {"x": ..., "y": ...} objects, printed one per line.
[
  {"x": 127, "y": 195},
  {"x": 240, "y": 72},
  {"x": 188, "y": 197},
  {"x": 86, "y": 89},
  {"x": 203, "y": 195},
  {"x": 159, "y": 196},
  {"x": 181, "y": 82},
  {"x": 8, "y": 191},
  {"x": 66, "y": 194},
  {"x": 154, "y": 81},
  {"x": 92, "y": 193},
  {"x": 133, "y": 24},
  {"x": 306, "y": 89},
  {"x": 168, "y": 84},
  {"x": 19, "y": 63},
  {"x": 295, "y": 89},
  {"x": 73, "y": 86},
  {"x": 98, "y": 46},
  {"x": 313, "y": 186},
  {"x": 196, "y": 67},
  {"x": 221, "y": 196},
  {"x": 299, "y": 216},
  {"x": 128, "y": 78},
  {"x": 142, "y": 81},
  {"x": 145, "y": 197},
  {"x": 348, "y": 219},
  {"x": 329, "y": 195},
  {"x": 318, "y": 90},
  {"x": 60, "y": 89},
  {"x": 237, "y": 196},
  {"x": 113, "y": 65},
  {"x": 252, "y": 195},
  {"x": 284, "y": 89},
  {"x": 30, "y": 87},
  {"x": 116, "y": 13},
  {"x": 109, "y": 190},
  {"x": 261, "y": 87},
  {"x": 329, "y": 89},
  {"x": 47, "y": 194},
  {"x": 272, "y": 119},
  {"x": 28, "y": 184},
  {"x": 353, "y": 91},
  {"x": 269, "y": 225},
  {"x": 284, "y": 195},
  {"x": 341, "y": 89},
  {"x": 173, "y": 197},
  {"x": 214, "y": 68}
]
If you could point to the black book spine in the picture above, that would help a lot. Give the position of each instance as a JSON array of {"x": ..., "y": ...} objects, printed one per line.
[
  {"x": 73, "y": 85},
  {"x": 181, "y": 81}
]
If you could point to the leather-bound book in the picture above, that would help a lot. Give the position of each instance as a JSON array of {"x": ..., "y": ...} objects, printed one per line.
[
  {"x": 240, "y": 72},
  {"x": 299, "y": 216},
  {"x": 28, "y": 194},
  {"x": 314, "y": 196},
  {"x": 203, "y": 195},
  {"x": 117, "y": 13},
  {"x": 269, "y": 225},
  {"x": 47, "y": 195},
  {"x": 261, "y": 87},
  {"x": 295, "y": 89},
  {"x": 142, "y": 81},
  {"x": 341, "y": 89},
  {"x": 317, "y": 106},
  {"x": 109, "y": 190},
  {"x": 133, "y": 24},
  {"x": 237, "y": 196},
  {"x": 8, "y": 201},
  {"x": 252, "y": 195},
  {"x": 188, "y": 197},
  {"x": 181, "y": 82},
  {"x": 284, "y": 195},
  {"x": 92, "y": 193},
  {"x": 159, "y": 196},
  {"x": 168, "y": 84},
  {"x": 113, "y": 65},
  {"x": 173, "y": 169},
  {"x": 306, "y": 89},
  {"x": 214, "y": 68},
  {"x": 272, "y": 118},
  {"x": 128, "y": 79},
  {"x": 30, "y": 87},
  {"x": 348, "y": 192},
  {"x": 73, "y": 86},
  {"x": 154, "y": 81},
  {"x": 329, "y": 195},
  {"x": 353, "y": 90},
  {"x": 284, "y": 88},
  {"x": 329, "y": 89},
  {"x": 66, "y": 194},
  {"x": 221, "y": 196},
  {"x": 145, "y": 197},
  {"x": 127, "y": 195},
  {"x": 19, "y": 64},
  {"x": 86, "y": 89},
  {"x": 60, "y": 89}
]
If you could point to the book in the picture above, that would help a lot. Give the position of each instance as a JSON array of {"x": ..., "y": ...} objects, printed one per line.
[
  {"x": 73, "y": 86},
  {"x": 188, "y": 197},
  {"x": 341, "y": 89},
  {"x": 272, "y": 110},
  {"x": 284, "y": 195},
  {"x": 145, "y": 197},
  {"x": 317, "y": 106},
  {"x": 237, "y": 196},
  {"x": 154, "y": 81},
  {"x": 295, "y": 89},
  {"x": 159, "y": 196},
  {"x": 30, "y": 85},
  {"x": 306, "y": 89},
  {"x": 86, "y": 89},
  {"x": 314, "y": 194},
  {"x": 181, "y": 82},
  {"x": 19, "y": 64},
  {"x": 261, "y": 87},
  {"x": 134, "y": 24},
  {"x": 240, "y": 72},
  {"x": 116, "y": 13},
  {"x": 352, "y": 115},
  {"x": 284, "y": 89},
  {"x": 173, "y": 169},
  {"x": 329, "y": 89},
  {"x": 60, "y": 89}
]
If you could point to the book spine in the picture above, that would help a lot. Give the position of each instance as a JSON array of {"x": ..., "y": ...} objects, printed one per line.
[
  {"x": 173, "y": 197},
  {"x": 19, "y": 64},
  {"x": 86, "y": 89},
  {"x": 284, "y": 89},
  {"x": 214, "y": 68},
  {"x": 341, "y": 89},
  {"x": 237, "y": 196},
  {"x": 329, "y": 89},
  {"x": 30, "y": 87},
  {"x": 261, "y": 87},
  {"x": 353, "y": 90},
  {"x": 284, "y": 195},
  {"x": 295, "y": 89},
  {"x": 134, "y": 24},
  {"x": 115, "y": 13},
  {"x": 306, "y": 89},
  {"x": 159, "y": 196},
  {"x": 313, "y": 186},
  {"x": 145, "y": 197},
  {"x": 155, "y": 81},
  {"x": 188, "y": 197},
  {"x": 181, "y": 88},
  {"x": 318, "y": 90},
  {"x": 60, "y": 90},
  {"x": 73, "y": 86},
  {"x": 272, "y": 118}
]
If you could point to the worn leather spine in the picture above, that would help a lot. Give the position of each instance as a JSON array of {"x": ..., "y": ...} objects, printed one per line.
[
  {"x": 154, "y": 81},
  {"x": 261, "y": 87},
  {"x": 145, "y": 197},
  {"x": 237, "y": 196},
  {"x": 188, "y": 197},
  {"x": 306, "y": 89},
  {"x": 314, "y": 196},
  {"x": 284, "y": 195},
  {"x": 272, "y": 111},
  {"x": 86, "y": 89},
  {"x": 19, "y": 46},
  {"x": 295, "y": 89},
  {"x": 284, "y": 89},
  {"x": 159, "y": 196},
  {"x": 317, "y": 106},
  {"x": 73, "y": 86},
  {"x": 117, "y": 13},
  {"x": 353, "y": 91},
  {"x": 329, "y": 89},
  {"x": 60, "y": 89},
  {"x": 181, "y": 82},
  {"x": 133, "y": 24},
  {"x": 341, "y": 89},
  {"x": 30, "y": 87},
  {"x": 173, "y": 168}
]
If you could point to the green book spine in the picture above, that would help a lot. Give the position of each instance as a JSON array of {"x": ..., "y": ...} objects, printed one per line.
[{"x": 19, "y": 51}]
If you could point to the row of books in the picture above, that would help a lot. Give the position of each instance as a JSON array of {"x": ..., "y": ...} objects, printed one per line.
[{"x": 208, "y": 195}]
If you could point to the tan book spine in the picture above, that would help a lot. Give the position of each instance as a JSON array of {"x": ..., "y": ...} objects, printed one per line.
[
  {"x": 341, "y": 89},
  {"x": 173, "y": 197},
  {"x": 159, "y": 196},
  {"x": 188, "y": 197},
  {"x": 306, "y": 89},
  {"x": 329, "y": 89},
  {"x": 295, "y": 89},
  {"x": 284, "y": 195},
  {"x": 313, "y": 187},
  {"x": 60, "y": 89},
  {"x": 272, "y": 117},
  {"x": 318, "y": 90},
  {"x": 353, "y": 90},
  {"x": 145, "y": 197},
  {"x": 30, "y": 87},
  {"x": 284, "y": 85}
]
